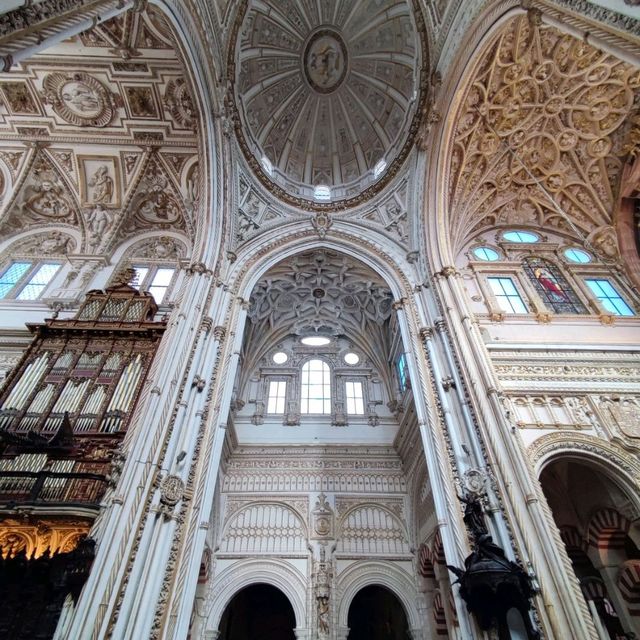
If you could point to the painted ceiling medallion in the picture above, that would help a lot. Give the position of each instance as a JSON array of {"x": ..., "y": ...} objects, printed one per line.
[
  {"x": 323, "y": 91},
  {"x": 325, "y": 61}
]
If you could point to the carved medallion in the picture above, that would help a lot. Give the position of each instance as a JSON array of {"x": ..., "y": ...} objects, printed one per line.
[
  {"x": 171, "y": 490},
  {"x": 79, "y": 99}
]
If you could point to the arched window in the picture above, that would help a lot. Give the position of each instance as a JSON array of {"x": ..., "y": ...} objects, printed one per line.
[{"x": 315, "y": 387}]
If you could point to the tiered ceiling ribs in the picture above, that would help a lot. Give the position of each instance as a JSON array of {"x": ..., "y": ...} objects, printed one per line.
[{"x": 327, "y": 94}]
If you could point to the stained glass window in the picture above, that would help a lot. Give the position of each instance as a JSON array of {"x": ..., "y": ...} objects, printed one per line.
[
  {"x": 520, "y": 236},
  {"x": 552, "y": 286},
  {"x": 156, "y": 280},
  {"x": 403, "y": 375}
]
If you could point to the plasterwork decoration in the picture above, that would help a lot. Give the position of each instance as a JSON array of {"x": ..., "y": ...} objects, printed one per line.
[
  {"x": 539, "y": 135},
  {"x": 264, "y": 528},
  {"x": 19, "y": 98},
  {"x": 179, "y": 102},
  {"x": 80, "y": 99},
  {"x": 44, "y": 198},
  {"x": 37, "y": 538},
  {"x": 45, "y": 244},
  {"x": 99, "y": 181},
  {"x": 162, "y": 248},
  {"x": 156, "y": 202},
  {"x": 622, "y": 413},
  {"x": 322, "y": 521},
  {"x": 320, "y": 291}
]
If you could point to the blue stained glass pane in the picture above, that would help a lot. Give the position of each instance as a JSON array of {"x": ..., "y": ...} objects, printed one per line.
[
  {"x": 11, "y": 276},
  {"x": 38, "y": 282}
]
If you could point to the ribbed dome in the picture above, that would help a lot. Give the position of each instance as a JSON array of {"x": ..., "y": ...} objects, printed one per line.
[{"x": 326, "y": 93}]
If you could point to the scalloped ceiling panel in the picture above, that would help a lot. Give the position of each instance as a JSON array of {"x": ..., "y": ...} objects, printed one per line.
[{"x": 325, "y": 91}]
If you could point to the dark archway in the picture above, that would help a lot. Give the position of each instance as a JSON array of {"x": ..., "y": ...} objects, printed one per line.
[
  {"x": 258, "y": 612},
  {"x": 376, "y": 614}
]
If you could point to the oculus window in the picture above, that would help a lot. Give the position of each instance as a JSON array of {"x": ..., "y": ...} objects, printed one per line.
[
  {"x": 277, "y": 395},
  {"x": 315, "y": 387},
  {"x": 520, "y": 236},
  {"x": 609, "y": 297},
  {"x": 355, "y": 400},
  {"x": 26, "y": 280},
  {"x": 507, "y": 295},
  {"x": 577, "y": 255},
  {"x": 487, "y": 254}
]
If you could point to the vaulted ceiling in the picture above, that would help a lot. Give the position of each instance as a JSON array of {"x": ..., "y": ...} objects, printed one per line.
[
  {"x": 539, "y": 136},
  {"x": 327, "y": 93}
]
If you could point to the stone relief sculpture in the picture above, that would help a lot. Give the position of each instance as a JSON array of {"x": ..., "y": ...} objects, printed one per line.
[
  {"x": 80, "y": 99},
  {"x": 102, "y": 185}
]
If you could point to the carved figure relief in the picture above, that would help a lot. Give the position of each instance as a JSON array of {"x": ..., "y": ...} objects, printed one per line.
[
  {"x": 98, "y": 222},
  {"x": 163, "y": 248},
  {"x": 99, "y": 181},
  {"x": 80, "y": 99},
  {"x": 155, "y": 203},
  {"x": 52, "y": 243},
  {"x": 44, "y": 199}
]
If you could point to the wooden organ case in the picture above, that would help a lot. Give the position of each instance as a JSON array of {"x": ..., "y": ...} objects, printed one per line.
[{"x": 64, "y": 413}]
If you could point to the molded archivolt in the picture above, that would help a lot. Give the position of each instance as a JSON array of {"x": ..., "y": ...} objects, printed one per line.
[
  {"x": 538, "y": 136},
  {"x": 384, "y": 574},
  {"x": 256, "y": 571},
  {"x": 328, "y": 93}
]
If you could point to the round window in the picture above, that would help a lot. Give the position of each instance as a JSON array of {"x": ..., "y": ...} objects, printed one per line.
[
  {"x": 485, "y": 253},
  {"x": 280, "y": 357},
  {"x": 351, "y": 358},
  {"x": 520, "y": 236},
  {"x": 577, "y": 255}
]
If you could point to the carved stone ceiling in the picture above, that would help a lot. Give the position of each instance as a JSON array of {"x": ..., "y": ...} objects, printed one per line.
[
  {"x": 539, "y": 137},
  {"x": 320, "y": 292},
  {"x": 324, "y": 91},
  {"x": 98, "y": 137}
]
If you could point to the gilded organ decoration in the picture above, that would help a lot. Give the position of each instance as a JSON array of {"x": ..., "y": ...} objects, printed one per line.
[
  {"x": 539, "y": 135},
  {"x": 80, "y": 99}
]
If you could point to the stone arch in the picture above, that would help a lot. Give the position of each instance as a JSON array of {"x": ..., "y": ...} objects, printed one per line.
[
  {"x": 613, "y": 461},
  {"x": 384, "y": 574},
  {"x": 629, "y": 585},
  {"x": 255, "y": 571},
  {"x": 608, "y": 529}
]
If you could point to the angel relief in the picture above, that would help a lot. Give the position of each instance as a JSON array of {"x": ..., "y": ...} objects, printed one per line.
[{"x": 552, "y": 286}]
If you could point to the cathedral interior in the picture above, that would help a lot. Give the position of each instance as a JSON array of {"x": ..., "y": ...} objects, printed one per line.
[{"x": 320, "y": 319}]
